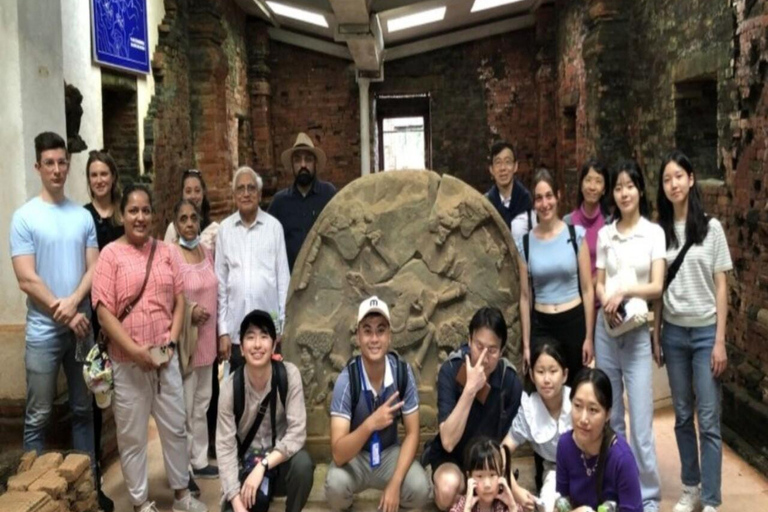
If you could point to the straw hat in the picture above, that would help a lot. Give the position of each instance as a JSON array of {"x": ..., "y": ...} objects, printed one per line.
[{"x": 303, "y": 142}]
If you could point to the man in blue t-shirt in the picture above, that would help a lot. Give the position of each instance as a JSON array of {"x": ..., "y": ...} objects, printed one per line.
[
  {"x": 364, "y": 445},
  {"x": 478, "y": 394},
  {"x": 53, "y": 250}
]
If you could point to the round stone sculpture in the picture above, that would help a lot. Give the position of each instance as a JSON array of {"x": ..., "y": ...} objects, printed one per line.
[{"x": 430, "y": 246}]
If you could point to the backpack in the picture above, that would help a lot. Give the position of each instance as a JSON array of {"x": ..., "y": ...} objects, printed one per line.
[
  {"x": 279, "y": 384},
  {"x": 526, "y": 246},
  {"x": 401, "y": 378}
]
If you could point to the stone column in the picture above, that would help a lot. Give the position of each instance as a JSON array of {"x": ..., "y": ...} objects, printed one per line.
[
  {"x": 606, "y": 60},
  {"x": 261, "y": 104}
]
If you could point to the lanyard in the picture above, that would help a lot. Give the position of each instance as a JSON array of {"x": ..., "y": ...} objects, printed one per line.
[{"x": 368, "y": 399}]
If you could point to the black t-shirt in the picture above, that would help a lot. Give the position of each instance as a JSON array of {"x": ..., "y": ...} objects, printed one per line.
[
  {"x": 297, "y": 213},
  {"x": 492, "y": 419},
  {"x": 106, "y": 230}
]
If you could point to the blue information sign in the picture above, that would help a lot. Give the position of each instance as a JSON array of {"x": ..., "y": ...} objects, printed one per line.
[{"x": 120, "y": 37}]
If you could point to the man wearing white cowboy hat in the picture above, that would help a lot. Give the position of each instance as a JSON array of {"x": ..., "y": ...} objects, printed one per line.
[{"x": 298, "y": 206}]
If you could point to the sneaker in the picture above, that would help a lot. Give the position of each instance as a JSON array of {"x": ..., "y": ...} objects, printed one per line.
[
  {"x": 207, "y": 473},
  {"x": 148, "y": 507},
  {"x": 189, "y": 504},
  {"x": 194, "y": 489},
  {"x": 709, "y": 508},
  {"x": 105, "y": 504},
  {"x": 690, "y": 500}
]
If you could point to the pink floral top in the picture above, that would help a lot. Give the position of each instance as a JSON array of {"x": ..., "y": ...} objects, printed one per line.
[
  {"x": 117, "y": 280},
  {"x": 201, "y": 287}
]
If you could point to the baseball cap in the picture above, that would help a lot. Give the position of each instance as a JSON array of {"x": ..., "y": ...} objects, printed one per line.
[{"x": 370, "y": 305}]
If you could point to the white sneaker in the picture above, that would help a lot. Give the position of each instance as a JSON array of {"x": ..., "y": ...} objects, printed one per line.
[
  {"x": 709, "y": 508},
  {"x": 189, "y": 504},
  {"x": 690, "y": 500},
  {"x": 149, "y": 507}
]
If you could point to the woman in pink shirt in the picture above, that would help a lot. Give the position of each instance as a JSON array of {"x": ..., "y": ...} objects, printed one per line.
[
  {"x": 195, "y": 264},
  {"x": 147, "y": 380}
]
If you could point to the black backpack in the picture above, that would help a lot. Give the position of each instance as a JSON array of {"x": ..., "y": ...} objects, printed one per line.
[
  {"x": 401, "y": 378},
  {"x": 526, "y": 245},
  {"x": 279, "y": 385}
]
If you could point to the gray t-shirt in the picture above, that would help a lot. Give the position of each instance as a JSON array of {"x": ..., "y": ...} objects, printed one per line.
[{"x": 690, "y": 299}]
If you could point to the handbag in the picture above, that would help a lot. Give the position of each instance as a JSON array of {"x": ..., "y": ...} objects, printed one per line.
[
  {"x": 98, "y": 364},
  {"x": 635, "y": 309}
]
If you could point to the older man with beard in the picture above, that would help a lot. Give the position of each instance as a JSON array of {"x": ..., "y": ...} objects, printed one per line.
[{"x": 298, "y": 206}]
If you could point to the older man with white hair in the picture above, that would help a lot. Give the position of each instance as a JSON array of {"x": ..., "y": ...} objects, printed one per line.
[{"x": 251, "y": 264}]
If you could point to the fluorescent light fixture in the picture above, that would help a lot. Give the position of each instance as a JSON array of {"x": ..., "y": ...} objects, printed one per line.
[
  {"x": 298, "y": 14},
  {"x": 415, "y": 20},
  {"x": 481, "y": 5}
]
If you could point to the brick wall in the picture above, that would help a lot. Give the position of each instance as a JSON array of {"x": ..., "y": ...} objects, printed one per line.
[
  {"x": 316, "y": 94},
  {"x": 121, "y": 131},
  {"x": 481, "y": 91},
  {"x": 669, "y": 53}
]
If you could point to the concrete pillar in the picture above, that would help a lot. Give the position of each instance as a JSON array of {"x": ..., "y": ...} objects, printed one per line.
[
  {"x": 365, "y": 126},
  {"x": 32, "y": 88}
]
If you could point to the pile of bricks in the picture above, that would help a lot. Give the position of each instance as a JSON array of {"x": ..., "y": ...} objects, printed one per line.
[{"x": 51, "y": 483}]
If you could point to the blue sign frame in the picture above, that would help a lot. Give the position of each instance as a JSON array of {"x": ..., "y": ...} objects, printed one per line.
[{"x": 120, "y": 35}]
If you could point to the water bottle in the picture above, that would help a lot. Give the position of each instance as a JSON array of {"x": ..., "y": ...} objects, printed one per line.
[
  {"x": 563, "y": 504},
  {"x": 608, "y": 506}
]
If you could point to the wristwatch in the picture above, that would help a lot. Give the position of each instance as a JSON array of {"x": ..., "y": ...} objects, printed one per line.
[
  {"x": 172, "y": 344},
  {"x": 265, "y": 462}
]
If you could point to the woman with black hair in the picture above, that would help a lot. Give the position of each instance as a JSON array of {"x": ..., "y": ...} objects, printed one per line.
[
  {"x": 593, "y": 210},
  {"x": 694, "y": 313},
  {"x": 594, "y": 464},
  {"x": 193, "y": 189},
  {"x": 630, "y": 272}
]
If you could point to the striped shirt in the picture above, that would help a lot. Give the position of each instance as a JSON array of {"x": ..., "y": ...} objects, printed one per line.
[
  {"x": 690, "y": 299},
  {"x": 252, "y": 269},
  {"x": 201, "y": 287},
  {"x": 117, "y": 281}
]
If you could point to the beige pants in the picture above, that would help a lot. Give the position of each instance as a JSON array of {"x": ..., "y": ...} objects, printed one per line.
[
  {"x": 136, "y": 397},
  {"x": 198, "y": 387}
]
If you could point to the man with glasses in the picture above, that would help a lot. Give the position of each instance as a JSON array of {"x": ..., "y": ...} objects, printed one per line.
[
  {"x": 53, "y": 251},
  {"x": 298, "y": 207},
  {"x": 474, "y": 382},
  {"x": 251, "y": 264},
  {"x": 510, "y": 197}
]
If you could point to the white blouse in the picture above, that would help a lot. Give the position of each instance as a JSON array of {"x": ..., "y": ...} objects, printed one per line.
[{"x": 534, "y": 424}]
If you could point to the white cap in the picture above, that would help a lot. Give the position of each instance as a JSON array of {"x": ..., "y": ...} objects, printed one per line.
[{"x": 370, "y": 305}]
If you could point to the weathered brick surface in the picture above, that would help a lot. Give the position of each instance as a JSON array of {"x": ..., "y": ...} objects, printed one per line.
[
  {"x": 27, "y": 502},
  {"x": 26, "y": 461},
  {"x": 51, "y": 483},
  {"x": 22, "y": 481},
  {"x": 74, "y": 466},
  {"x": 50, "y": 460}
]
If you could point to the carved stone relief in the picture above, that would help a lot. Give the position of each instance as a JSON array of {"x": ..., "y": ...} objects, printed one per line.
[{"x": 430, "y": 246}]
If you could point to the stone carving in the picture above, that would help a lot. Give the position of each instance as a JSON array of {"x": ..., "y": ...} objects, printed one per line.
[
  {"x": 431, "y": 246},
  {"x": 73, "y": 112}
]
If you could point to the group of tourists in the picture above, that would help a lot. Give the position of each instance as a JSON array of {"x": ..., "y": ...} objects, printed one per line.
[{"x": 169, "y": 312}]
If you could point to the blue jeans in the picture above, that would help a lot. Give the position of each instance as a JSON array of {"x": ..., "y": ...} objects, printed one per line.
[
  {"x": 42, "y": 360},
  {"x": 627, "y": 360},
  {"x": 688, "y": 351}
]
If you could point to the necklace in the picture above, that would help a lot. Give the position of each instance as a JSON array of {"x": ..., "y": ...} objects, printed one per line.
[{"x": 590, "y": 470}]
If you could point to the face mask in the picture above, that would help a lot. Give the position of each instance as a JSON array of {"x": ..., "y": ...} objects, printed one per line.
[{"x": 189, "y": 244}]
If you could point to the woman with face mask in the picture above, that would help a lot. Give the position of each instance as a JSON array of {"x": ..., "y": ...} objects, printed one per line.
[{"x": 195, "y": 264}]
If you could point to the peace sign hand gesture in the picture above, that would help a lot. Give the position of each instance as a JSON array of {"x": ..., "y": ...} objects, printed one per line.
[
  {"x": 385, "y": 414},
  {"x": 476, "y": 377}
]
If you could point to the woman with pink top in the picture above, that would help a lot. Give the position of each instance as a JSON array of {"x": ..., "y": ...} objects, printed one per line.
[
  {"x": 137, "y": 293},
  {"x": 592, "y": 212},
  {"x": 195, "y": 264}
]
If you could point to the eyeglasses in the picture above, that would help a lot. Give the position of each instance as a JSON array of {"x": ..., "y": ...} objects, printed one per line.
[
  {"x": 242, "y": 189},
  {"x": 50, "y": 164}
]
